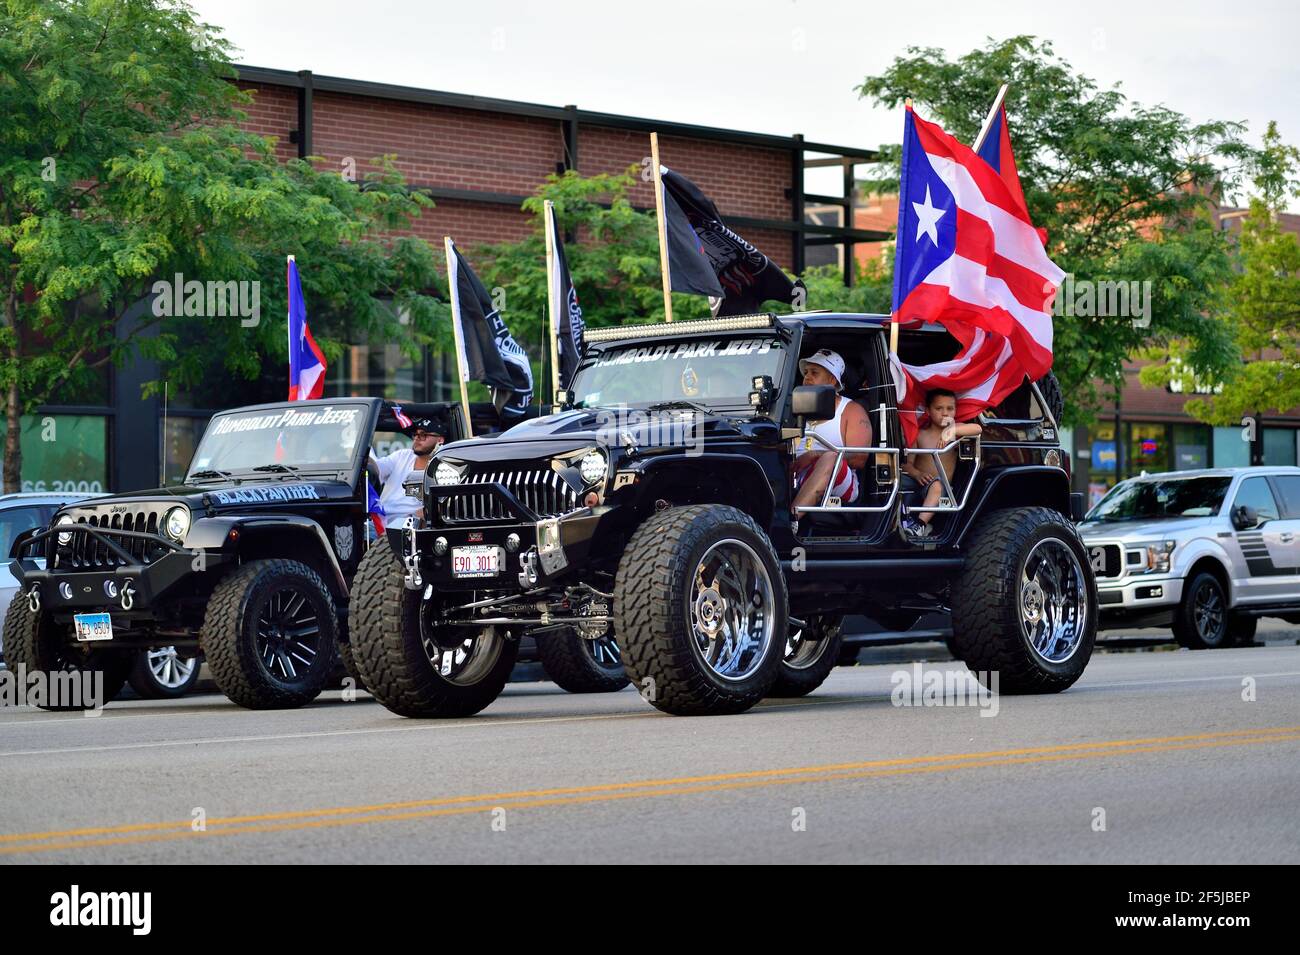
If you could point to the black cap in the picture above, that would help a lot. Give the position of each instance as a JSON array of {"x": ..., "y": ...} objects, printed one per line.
[{"x": 426, "y": 424}]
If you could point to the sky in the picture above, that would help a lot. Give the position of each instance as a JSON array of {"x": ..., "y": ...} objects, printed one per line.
[{"x": 772, "y": 66}]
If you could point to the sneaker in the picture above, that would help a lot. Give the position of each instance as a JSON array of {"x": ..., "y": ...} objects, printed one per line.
[{"x": 914, "y": 528}]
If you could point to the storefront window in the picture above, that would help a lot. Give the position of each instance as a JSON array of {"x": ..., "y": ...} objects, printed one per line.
[
  {"x": 181, "y": 439},
  {"x": 64, "y": 454},
  {"x": 1279, "y": 446},
  {"x": 1103, "y": 465},
  {"x": 1231, "y": 450},
  {"x": 1191, "y": 447},
  {"x": 1147, "y": 446}
]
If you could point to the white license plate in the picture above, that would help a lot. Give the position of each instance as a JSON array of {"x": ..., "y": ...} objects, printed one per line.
[
  {"x": 479, "y": 561},
  {"x": 92, "y": 627}
]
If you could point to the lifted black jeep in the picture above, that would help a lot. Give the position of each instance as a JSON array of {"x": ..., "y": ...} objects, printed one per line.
[
  {"x": 656, "y": 505},
  {"x": 248, "y": 562}
]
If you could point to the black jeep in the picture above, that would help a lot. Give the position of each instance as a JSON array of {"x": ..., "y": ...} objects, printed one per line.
[
  {"x": 655, "y": 504},
  {"x": 248, "y": 562}
]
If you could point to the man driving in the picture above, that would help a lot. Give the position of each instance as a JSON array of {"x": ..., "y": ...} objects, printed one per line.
[
  {"x": 396, "y": 468},
  {"x": 815, "y": 465}
]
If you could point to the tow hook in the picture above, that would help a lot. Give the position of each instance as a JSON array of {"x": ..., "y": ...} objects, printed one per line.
[
  {"x": 34, "y": 599},
  {"x": 528, "y": 569},
  {"x": 128, "y": 595},
  {"x": 412, "y": 580}
]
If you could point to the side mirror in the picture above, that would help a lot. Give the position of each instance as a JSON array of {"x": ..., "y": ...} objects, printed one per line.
[
  {"x": 814, "y": 402},
  {"x": 1244, "y": 517}
]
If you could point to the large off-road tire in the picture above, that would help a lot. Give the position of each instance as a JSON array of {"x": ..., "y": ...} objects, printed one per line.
[
  {"x": 1203, "y": 621},
  {"x": 394, "y": 644},
  {"x": 580, "y": 665},
  {"x": 1025, "y": 606},
  {"x": 270, "y": 634},
  {"x": 347, "y": 657},
  {"x": 1051, "y": 391},
  {"x": 36, "y": 643},
  {"x": 810, "y": 656},
  {"x": 688, "y": 578},
  {"x": 164, "y": 674}
]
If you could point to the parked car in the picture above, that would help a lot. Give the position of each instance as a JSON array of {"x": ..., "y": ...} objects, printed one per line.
[
  {"x": 19, "y": 513},
  {"x": 1204, "y": 552},
  {"x": 655, "y": 506}
]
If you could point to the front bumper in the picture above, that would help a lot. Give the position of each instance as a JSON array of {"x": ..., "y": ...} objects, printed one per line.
[
  {"x": 533, "y": 551},
  {"x": 1139, "y": 594},
  {"x": 129, "y": 590}
]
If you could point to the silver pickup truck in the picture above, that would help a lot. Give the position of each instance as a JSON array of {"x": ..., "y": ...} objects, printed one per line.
[{"x": 1205, "y": 552}]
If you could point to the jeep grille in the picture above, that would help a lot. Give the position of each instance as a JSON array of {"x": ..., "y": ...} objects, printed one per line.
[
  {"x": 540, "y": 489},
  {"x": 85, "y": 550}
]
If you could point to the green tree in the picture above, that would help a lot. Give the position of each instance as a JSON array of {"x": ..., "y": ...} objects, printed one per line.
[
  {"x": 1122, "y": 189},
  {"x": 122, "y": 164},
  {"x": 1260, "y": 308}
]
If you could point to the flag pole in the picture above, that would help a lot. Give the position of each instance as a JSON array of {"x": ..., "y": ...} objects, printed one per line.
[
  {"x": 455, "y": 330},
  {"x": 988, "y": 120},
  {"x": 893, "y": 325},
  {"x": 550, "y": 296},
  {"x": 288, "y": 260},
  {"x": 663, "y": 228}
]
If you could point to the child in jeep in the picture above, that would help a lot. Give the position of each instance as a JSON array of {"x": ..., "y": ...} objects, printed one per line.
[{"x": 938, "y": 429}]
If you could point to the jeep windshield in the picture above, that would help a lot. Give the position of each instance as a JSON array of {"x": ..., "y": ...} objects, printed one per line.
[
  {"x": 1152, "y": 500},
  {"x": 716, "y": 373},
  {"x": 273, "y": 442}
]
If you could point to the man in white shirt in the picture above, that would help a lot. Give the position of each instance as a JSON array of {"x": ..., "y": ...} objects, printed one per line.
[{"x": 396, "y": 468}]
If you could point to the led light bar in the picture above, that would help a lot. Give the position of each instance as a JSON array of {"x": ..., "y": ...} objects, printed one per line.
[{"x": 665, "y": 329}]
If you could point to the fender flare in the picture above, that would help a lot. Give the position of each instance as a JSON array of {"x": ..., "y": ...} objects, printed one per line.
[
  {"x": 217, "y": 530},
  {"x": 650, "y": 467}
]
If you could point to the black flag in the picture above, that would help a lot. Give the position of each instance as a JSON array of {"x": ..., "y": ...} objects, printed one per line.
[
  {"x": 569, "y": 326},
  {"x": 489, "y": 352},
  {"x": 742, "y": 276}
]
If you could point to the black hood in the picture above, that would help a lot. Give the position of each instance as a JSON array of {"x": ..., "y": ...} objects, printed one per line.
[
  {"x": 584, "y": 427},
  {"x": 220, "y": 495}
]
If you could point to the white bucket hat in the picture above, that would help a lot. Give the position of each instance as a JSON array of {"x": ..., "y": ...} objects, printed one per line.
[{"x": 827, "y": 359}]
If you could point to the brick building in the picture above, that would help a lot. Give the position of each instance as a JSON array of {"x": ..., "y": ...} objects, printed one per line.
[{"x": 477, "y": 158}]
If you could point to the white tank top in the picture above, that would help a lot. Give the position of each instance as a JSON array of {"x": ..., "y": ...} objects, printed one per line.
[{"x": 829, "y": 431}]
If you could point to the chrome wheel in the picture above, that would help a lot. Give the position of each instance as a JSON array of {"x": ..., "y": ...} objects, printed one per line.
[
  {"x": 804, "y": 648},
  {"x": 1208, "y": 613},
  {"x": 730, "y": 605},
  {"x": 288, "y": 634},
  {"x": 604, "y": 651},
  {"x": 171, "y": 670},
  {"x": 464, "y": 662},
  {"x": 1053, "y": 600}
]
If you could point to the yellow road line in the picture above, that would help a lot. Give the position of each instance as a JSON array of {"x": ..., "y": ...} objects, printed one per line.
[{"x": 687, "y": 785}]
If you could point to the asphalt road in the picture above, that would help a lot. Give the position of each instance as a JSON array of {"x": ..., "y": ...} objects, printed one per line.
[{"x": 1160, "y": 747}]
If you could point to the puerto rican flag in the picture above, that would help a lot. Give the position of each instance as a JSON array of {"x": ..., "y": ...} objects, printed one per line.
[
  {"x": 375, "y": 510},
  {"x": 968, "y": 257},
  {"x": 403, "y": 421},
  {"x": 306, "y": 362}
]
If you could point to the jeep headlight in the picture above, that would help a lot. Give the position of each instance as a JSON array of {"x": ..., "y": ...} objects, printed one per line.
[
  {"x": 1159, "y": 556},
  {"x": 65, "y": 537},
  {"x": 176, "y": 523},
  {"x": 593, "y": 467},
  {"x": 445, "y": 474}
]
